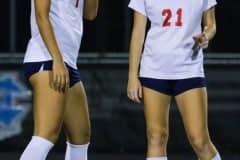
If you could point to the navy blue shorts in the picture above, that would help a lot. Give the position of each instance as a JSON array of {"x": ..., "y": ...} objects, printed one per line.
[
  {"x": 173, "y": 87},
  {"x": 31, "y": 68}
]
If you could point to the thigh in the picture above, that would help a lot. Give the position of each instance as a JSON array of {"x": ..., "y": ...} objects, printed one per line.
[
  {"x": 76, "y": 118},
  {"x": 156, "y": 108},
  {"x": 192, "y": 105},
  {"x": 48, "y": 105}
]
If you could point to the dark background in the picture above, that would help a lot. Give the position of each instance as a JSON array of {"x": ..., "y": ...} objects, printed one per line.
[
  {"x": 111, "y": 30},
  {"x": 118, "y": 125}
]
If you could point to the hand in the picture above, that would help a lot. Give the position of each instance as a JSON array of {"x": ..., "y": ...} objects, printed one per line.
[
  {"x": 134, "y": 90},
  {"x": 60, "y": 76},
  {"x": 202, "y": 40}
]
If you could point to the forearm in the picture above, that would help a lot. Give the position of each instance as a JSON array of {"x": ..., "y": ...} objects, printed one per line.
[
  {"x": 210, "y": 23},
  {"x": 136, "y": 46},
  {"x": 210, "y": 31},
  {"x": 48, "y": 37},
  {"x": 91, "y": 9}
]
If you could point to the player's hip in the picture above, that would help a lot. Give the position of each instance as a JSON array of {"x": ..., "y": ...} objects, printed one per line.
[
  {"x": 32, "y": 68},
  {"x": 37, "y": 52}
]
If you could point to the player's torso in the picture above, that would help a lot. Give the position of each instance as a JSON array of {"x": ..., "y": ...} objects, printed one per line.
[
  {"x": 173, "y": 23},
  {"x": 66, "y": 19},
  {"x": 173, "y": 12},
  {"x": 64, "y": 12},
  {"x": 168, "y": 47}
]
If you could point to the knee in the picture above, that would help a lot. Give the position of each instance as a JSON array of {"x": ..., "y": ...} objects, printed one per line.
[
  {"x": 49, "y": 136},
  {"x": 80, "y": 137},
  {"x": 199, "y": 143},
  {"x": 157, "y": 137}
]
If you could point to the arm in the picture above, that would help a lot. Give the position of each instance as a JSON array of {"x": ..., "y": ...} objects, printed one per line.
[
  {"x": 90, "y": 9},
  {"x": 136, "y": 45},
  {"x": 60, "y": 74},
  {"x": 209, "y": 22},
  {"x": 209, "y": 31}
]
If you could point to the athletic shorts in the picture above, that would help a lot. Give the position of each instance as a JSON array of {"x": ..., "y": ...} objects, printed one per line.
[
  {"x": 31, "y": 68},
  {"x": 173, "y": 87}
]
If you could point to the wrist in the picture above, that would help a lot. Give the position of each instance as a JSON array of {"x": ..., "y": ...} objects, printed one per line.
[
  {"x": 57, "y": 59},
  {"x": 207, "y": 35},
  {"x": 133, "y": 76}
]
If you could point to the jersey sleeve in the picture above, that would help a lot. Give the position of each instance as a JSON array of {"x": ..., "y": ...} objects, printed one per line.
[
  {"x": 209, "y": 4},
  {"x": 138, "y": 5}
]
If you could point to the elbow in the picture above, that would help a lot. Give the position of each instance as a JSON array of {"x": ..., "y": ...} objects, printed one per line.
[
  {"x": 41, "y": 17},
  {"x": 91, "y": 16}
]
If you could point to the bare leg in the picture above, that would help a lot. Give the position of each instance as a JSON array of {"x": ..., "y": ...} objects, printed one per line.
[
  {"x": 48, "y": 107},
  {"x": 76, "y": 118},
  {"x": 156, "y": 107},
  {"x": 193, "y": 108},
  {"x": 48, "y": 117},
  {"x": 77, "y": 123}
]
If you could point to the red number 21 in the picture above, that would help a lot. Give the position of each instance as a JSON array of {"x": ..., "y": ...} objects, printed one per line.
[
  {"x": 168, "y": 14},
  {"x": 77, "y": 2}
]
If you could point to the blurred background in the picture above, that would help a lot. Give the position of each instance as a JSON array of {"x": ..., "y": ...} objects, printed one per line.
[{"x": 118, "y": 127}]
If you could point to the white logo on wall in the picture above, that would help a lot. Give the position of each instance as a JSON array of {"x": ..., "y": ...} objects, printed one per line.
[{"x": 12, "y": 110}]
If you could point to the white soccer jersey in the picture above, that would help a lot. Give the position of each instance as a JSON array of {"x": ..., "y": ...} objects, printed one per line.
[
  {"x": 66, "y": 19},
  {"x": 168, "y": 46}
]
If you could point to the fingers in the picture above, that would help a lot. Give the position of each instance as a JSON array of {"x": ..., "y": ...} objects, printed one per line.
[
  {"x": 55, "y": 81},
  {"x": 135, "y": 94},
  {"x": 61, "y": 84},
  {"x": 196, "y": 39},
  {"x": 60, "y": 81},
  {"x": 67, "y": 81},
  {"x": 140, "y": 94},
  {"x": 204, "y": 44},
  {"x": 202, "y": 40}
]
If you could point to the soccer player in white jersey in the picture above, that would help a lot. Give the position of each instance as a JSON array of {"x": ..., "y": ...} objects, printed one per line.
[
  {"x": 50, "y": 65},
  {"x": 171, "y": 65}
]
